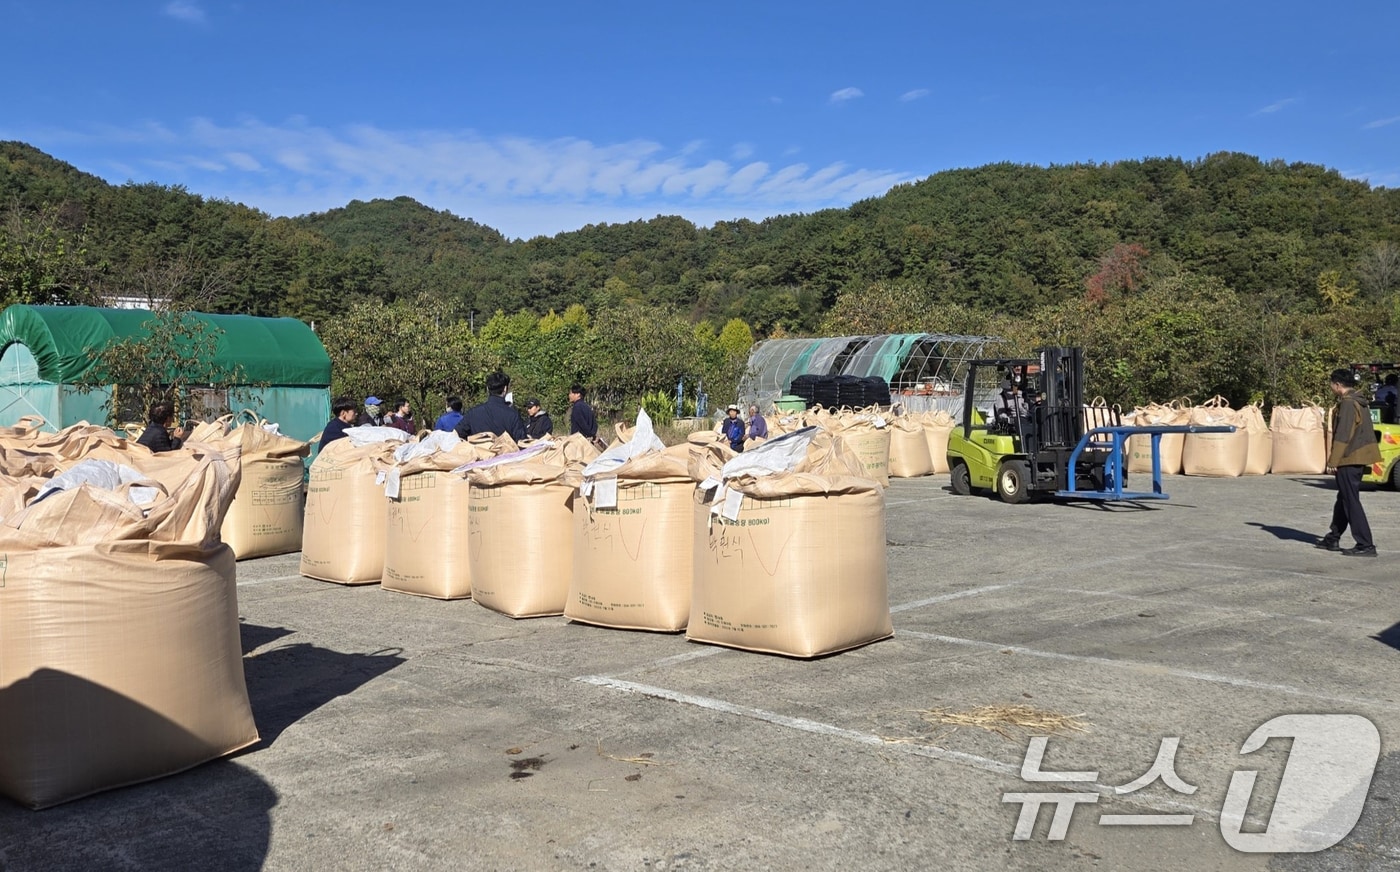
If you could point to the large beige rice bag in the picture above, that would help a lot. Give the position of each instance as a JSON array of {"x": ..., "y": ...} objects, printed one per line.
[
  {"x": 120, "y": 658},
  {"x": 937, "y": 425},
  {"x": 520, "y": 526},
  {"x": 266, "y": 517},
  {"x": 1261, "y": 444},
  {"x": 1170, "y": 445},
  {"x": 344, "y": 532},
  {"x": 792, "y": 563},
  {"x": 868, "y": 435},
  {"x": 1221, "y": 455},
  {"x": 634, "y": 546},
  {"x": 427, "y": 528},
  {"x": 909, "y": 449},
  {"x": 1300, "y": 440}
]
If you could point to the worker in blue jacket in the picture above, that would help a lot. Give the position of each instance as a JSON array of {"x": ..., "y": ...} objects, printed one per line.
[{"x": 733, "y": 427}]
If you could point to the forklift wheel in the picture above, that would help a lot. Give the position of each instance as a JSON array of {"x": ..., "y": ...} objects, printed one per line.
[
  {"x": 962, "y": 479},
  {"x": 1013, "y": 481},
  {"x": 1395, "y": 475}
]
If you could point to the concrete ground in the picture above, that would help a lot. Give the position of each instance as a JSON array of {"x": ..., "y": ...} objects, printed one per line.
[{"x": 407, "y": 733}]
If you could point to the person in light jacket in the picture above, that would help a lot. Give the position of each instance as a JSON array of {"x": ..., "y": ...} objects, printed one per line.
[{"x": 1353, "y": 451}]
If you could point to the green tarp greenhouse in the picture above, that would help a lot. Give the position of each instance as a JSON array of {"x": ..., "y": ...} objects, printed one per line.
[
  {"x": 924, "y": 370},
  {"x": 44, "y": 355}
]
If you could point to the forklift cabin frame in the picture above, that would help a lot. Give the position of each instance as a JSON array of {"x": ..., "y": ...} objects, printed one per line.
[{"x": 1055, "y": 418}]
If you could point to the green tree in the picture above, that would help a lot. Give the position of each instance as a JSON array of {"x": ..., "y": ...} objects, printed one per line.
[
  {"x": 409, "y": 348},
  {"x": 174, "y": 359}
]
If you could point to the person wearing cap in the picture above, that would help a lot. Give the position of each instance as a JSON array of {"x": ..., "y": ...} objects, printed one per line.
[
  {"x": 493, "y": 416},
  {"x": 449, "y": 419},
  {"x": 732, "y": 427},
  {"x": 1353, "y": 451},
  {"x": 373, "y": 415},
  {"x": 537, "y": 422}
]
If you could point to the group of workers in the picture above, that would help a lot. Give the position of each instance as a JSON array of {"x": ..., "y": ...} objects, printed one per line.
[{"x": 496, "y": 416}]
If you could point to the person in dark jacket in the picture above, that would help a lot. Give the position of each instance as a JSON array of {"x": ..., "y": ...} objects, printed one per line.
[
  {"x": 452, "y": 417},
  {"x": 1353, "y": 451},
  {"x": 581, "y": 417},
  {"x": 402, "y": 418},
  {"x": 493, "y": 416},
  {"x": 1388, "y": 399},
  {"x": 344, "y": 418},
  {"x": 537, "y": 422},
  {"x": 373, "y": 415},
  {"x": 158, "y": 436}
]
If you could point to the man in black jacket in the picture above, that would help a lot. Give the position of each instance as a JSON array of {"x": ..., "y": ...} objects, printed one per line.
[
  {"x": 537, "y": 422},
  {"x": 157, "y": 436},
  {"x": 581, "y": 417},
  {"x": 494, "y": 416}
]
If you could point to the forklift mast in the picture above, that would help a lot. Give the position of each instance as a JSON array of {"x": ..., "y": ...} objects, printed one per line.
[{"x": 1059, "y": 414}]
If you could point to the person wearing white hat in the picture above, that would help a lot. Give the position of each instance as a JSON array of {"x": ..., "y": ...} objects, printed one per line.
[{"x": 732, "y": 427}]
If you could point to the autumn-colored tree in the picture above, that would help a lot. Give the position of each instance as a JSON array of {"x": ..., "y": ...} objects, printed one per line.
[{"x": 1120, "y": 270}]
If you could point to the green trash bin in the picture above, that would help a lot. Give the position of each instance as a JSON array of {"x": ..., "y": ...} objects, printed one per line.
[{"x": 790, "y": 403}]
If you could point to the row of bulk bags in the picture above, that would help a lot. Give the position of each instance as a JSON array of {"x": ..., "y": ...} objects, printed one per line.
[
  {"x": 120, "y": 656},
  {"x": 1293, "y": 442},
  {"x": 789, "y": 549},
  {"x": 919, "y": 444}
]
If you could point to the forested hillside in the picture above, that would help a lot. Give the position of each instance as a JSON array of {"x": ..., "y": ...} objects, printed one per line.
[{"x": 1225, "y": 273}]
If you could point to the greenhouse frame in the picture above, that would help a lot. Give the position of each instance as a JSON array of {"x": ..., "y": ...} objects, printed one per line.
[
  {"x": 45, "y": 355},
  {"x": 925, "y": 371}
]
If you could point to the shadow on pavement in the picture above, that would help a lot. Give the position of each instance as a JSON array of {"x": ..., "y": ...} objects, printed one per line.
[
  {"x": 1289, "y": 534},
  {"x": 214, "y": 818},
  {"x": 1389, "y": 636},
  {"x": 75, "y": 736},
  {"x": 254, "y": 637},
  {"x": 287, "y": 683}
]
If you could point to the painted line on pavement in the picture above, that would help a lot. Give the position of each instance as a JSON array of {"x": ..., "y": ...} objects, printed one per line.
[
  {"x": 1153, "y": 668},
  {"x": 1150, "y": 600},
  {"x": 252, "y": 581},
  {"x": 961, "y": 758}
]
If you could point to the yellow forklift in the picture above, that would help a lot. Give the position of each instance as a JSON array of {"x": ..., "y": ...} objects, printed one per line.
[{"x": 1025, "y": 432}]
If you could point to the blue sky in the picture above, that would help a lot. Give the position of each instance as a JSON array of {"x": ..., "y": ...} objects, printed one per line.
[{"x": 540, "y": 117}]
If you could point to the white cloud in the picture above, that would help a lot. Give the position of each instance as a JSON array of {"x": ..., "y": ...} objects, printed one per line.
[
  {"x": 916, "y": 94},
  {"x": 185, "y": 10},
  {"x": 242, "y": 161},
  {"x": 295, "y": 167},
  {"x": 741, "y": 151},
  {"x": 1274, "y": 107},
  {"x": 1375, "y": 178},
  {"x": 1380, "y": 122},
  {"x": 846, "y": 94}
]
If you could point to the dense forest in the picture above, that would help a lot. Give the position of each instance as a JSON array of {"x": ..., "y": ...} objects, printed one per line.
[{"x": 1225, "y": 274}]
